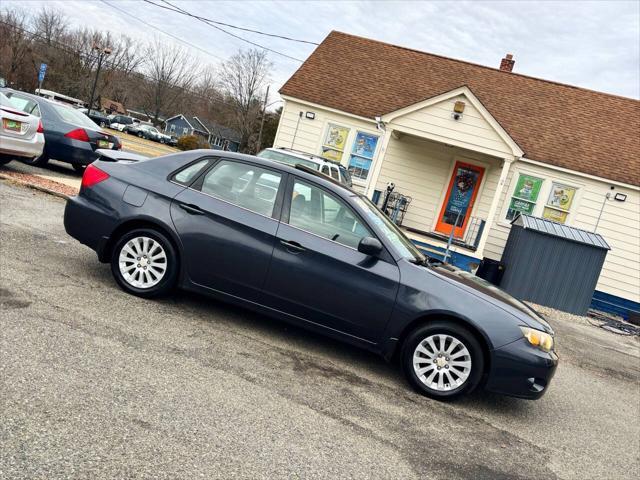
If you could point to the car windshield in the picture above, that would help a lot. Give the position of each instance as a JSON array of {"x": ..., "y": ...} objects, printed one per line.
[
  {"x": 75, "y": 117},
  {"x": 405, "y": 246},
  {"x": 287, "y": 159}
]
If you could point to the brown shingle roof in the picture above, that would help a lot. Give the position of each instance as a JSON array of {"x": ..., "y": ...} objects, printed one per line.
[{"x": 563, "y": 125}]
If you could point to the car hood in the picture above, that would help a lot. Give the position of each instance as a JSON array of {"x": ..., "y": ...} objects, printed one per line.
[{"x": 493, "y": 294}]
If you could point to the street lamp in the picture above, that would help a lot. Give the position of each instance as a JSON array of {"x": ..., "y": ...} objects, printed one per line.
[{"x": 102, "y": 52}]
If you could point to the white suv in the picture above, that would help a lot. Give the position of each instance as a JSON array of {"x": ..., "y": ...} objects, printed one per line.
[{"x": 293, "y": 157}]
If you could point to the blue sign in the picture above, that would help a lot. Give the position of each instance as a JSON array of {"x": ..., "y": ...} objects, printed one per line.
[{"x": 42, "y": 72}]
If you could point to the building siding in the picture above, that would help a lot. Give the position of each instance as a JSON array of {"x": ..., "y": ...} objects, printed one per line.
[
  {"x": 619, "y": 225},
  {"x": 471, "y": 129}
]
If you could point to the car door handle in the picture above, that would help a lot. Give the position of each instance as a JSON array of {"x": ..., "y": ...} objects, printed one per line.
[
  {"x": 191, "y": 209},
  {"x": 292, "y": 246}
]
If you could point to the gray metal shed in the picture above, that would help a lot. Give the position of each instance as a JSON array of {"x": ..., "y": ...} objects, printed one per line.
[{"x": 552, "y": 264}]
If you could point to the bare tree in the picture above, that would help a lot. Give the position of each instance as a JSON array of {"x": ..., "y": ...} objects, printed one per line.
[
  {"x": 50, "y": 24},
  {"x": 243, "y": 77},
  {"x": 170, "y": 71},
  {"x": 15, "y": 47}
]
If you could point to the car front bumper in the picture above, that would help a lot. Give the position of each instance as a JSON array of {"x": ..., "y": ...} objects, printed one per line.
[
  {"x": 520, "y": 370},
  {"x": 22, "y": 147}
]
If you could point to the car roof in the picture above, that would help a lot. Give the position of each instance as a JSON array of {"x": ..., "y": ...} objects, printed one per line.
[
  {"x": 306, "y": 156},
  {"x": 300, "y": 171}
]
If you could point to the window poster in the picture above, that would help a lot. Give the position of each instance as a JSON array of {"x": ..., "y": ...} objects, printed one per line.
[
  {"x": 362, "y": 153},
  {"x": 525, "y": 195},
  {"x": 336, "y": 137},
  {"x": 561, "y": 196}
]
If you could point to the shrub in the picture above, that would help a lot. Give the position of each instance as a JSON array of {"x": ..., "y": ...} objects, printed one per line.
[{"x": 191, "y": 142}]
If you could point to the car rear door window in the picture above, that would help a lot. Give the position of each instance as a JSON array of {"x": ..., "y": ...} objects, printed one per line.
[
  {"x": 242, "y": 184},
  {"x": 316, "y": 211},
  {"x": 189, "y": 173}
]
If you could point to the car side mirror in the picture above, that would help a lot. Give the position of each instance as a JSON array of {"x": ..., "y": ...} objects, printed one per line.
[{"x": 370, "y": 246}]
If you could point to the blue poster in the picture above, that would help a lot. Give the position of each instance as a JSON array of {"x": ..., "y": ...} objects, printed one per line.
[
  {"x": 460, "y": 196},
  {"x": 362, "y": 153}
]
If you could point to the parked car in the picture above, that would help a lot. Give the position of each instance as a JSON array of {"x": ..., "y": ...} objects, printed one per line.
[
  {"x": 70, "y": 136},
  {"x": 97, "y": 116},
  {"x": 149, "y": 132},
  {"x": 292, "y": 157},
  {"x": 120, "y": 122},
  {"x": 20, "y": 132},
  {"x": 292, "y": 243}
]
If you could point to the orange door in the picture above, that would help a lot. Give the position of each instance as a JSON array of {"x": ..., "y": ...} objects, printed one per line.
[{"x": 458, "y": 202}]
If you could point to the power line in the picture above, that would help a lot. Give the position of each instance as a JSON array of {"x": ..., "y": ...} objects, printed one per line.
[
  {"x": 162, "y": 31},
  {"x": 244, "y": 29},
  {"x": 207, "y": 22}
]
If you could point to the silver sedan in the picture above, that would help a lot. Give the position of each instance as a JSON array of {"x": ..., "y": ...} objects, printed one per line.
[{"x": 21, "y": 133}]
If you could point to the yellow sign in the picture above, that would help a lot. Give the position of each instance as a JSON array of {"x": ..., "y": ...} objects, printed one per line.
[{"x": 336, "y": 137}]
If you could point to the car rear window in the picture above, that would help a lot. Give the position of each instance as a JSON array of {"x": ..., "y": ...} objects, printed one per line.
[
  {"x": 25, "y": 104},
  {"x": 287, "y": 159},
  {"x": 68, "y": 114}
]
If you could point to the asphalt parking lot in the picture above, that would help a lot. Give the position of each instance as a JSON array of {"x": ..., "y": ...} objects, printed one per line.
[{"x": 99, "y": 384}]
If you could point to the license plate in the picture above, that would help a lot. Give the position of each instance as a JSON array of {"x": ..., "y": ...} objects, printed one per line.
[
  {"x": 12, "y": 125},
  {"x": 103, "y": 144}
]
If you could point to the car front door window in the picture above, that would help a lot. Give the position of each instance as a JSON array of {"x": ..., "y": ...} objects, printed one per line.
[
  {"x": 315, "y": 211},
  {"x": 244, "y": 185}
]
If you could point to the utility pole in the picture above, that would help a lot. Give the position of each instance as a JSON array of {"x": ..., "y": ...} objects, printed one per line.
[
  {"x": 102, "y": 52},
  {"x": 264, "y": 111}
]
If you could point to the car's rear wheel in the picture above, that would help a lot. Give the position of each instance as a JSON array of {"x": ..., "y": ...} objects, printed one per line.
[
  {"x": 40, "y": 161},
  {"x": 140, "y": 134},
  {"x": 442, "y": 360},
  {"x": 144, "y": 263},
  {"x": 103, "y": 124}
]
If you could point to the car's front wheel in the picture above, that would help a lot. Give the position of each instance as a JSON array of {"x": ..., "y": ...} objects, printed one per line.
[
  {"x": 442, "y": 360},
  {"x": 144, "y": 263}
]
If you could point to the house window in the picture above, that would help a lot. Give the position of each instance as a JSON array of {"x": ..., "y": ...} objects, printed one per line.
[
  {"x": 525, "y": 196},
  {"x": 185, "y": 131},
  {"x": 172, "y": 128},
  {"x": 559, "y": 202},
  {"x": 334, "y": 142},
  {"x": 362, "y": 155}
]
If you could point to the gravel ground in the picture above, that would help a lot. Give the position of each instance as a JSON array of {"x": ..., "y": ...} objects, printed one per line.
[{"x": 98, "y": 384}]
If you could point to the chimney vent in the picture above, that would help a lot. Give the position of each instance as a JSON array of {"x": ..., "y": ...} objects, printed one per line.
[{"x": 506, "y": 64}]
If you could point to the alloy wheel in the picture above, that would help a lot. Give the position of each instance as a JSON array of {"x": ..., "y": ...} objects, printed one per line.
[
  {"x": 442, "y": 362},
  {"x": 142, "y": 262}
]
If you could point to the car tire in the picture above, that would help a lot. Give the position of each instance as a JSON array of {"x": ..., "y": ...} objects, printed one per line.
[
  {"x": 140, "y": 134},
  {"x": 40, "y": 161},
  {"x": 442, "y": 360},
  {"x": 103, "y": 124},
  {"x": 162, "y": 262}
]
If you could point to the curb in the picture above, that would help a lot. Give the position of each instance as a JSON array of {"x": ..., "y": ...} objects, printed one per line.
[{"x": 11, "y": 179}]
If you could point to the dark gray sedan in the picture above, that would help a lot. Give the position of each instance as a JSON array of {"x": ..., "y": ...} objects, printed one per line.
[
  {"x": 292, "y": 243},
  {"x": 70, "y": 136}
]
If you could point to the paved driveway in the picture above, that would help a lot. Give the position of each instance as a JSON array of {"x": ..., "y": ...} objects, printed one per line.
[{"x": 98, "y": 384}]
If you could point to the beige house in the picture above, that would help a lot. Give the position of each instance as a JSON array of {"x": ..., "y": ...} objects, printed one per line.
[{"x": 472, "y": 147}]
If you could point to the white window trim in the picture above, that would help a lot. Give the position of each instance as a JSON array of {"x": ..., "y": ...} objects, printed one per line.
[{"x": 548, "y": 180}]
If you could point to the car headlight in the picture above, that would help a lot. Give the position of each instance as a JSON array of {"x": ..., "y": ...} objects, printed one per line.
[{"x": 538, "y": 339}]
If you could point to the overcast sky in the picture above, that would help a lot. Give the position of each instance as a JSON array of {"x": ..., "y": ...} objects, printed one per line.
[{"x": 591, "y": 44}]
